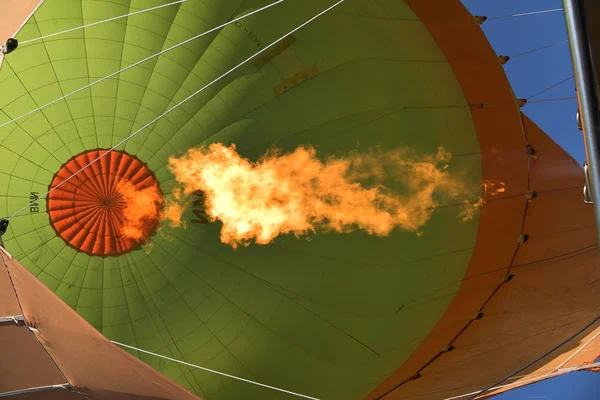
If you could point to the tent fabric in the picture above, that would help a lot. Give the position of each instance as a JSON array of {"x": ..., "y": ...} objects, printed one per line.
[
  {"x": 26, "y": 363},
  {"x": 66, "y": 346},
  {"x": 9, "y": 305}
]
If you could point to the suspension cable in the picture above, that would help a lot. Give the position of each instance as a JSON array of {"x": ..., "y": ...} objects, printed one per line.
[
  {"x": 102, "y": 22},
  {"x": 527, "y": 14},
  {"x": 179, "y": 104},
  {"x": 538, "y": 49},
  {"x": 138, "y": 63},
  {"x": 567, "y": 340},
  {"x": 550, "y": 87},
  {"x": 214, "y": 372},
  {"x": 553, "y": 99},
  {"x": 550, "y": 375}
]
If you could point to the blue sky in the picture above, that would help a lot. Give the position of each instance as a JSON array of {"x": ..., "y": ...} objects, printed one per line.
[
  {"x": 573, "y": 386},
  {"x": 530, "y": 74}
]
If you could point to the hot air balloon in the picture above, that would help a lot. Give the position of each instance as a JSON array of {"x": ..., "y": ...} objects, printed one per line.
[{"x": 441, "y": 314}]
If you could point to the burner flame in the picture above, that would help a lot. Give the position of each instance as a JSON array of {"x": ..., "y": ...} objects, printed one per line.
[{"x": 296, "y": 193}]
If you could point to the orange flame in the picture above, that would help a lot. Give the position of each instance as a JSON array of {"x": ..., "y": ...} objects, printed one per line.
[
  {"x": 142, "y": 210},
  {"x": 493, "y": 188},
  {"x": 469, "y": 209},
  {"x": 173, "y": 212},
  {"x": 297, "y": 193}
]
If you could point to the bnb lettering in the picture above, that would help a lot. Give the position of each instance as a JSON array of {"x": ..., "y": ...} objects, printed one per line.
[{"x": 34, "y": 207}]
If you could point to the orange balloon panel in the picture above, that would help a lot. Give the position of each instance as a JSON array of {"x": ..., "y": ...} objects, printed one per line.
[{"x": 88, "y": 210}]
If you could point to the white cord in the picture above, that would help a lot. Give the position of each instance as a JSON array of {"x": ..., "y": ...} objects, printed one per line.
[
  {"x": 214, "y": 372},
  {"x": 579, "y": 350},
  {"x": 535, "y": 379},
  {"x": 103, "y": 21},
  {"x": 537, "y": 12},
  {"x": 179, "y": 104},
  {"x": 66, "y": 386},
  {"x": 527, "y": 13},
  {"x": 138, "y": 63}
]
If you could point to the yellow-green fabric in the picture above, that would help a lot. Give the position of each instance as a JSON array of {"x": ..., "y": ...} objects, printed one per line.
[{"x": 331, "y": 317}]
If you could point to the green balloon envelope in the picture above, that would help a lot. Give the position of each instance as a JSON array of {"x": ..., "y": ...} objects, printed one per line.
[{"x": 330, "y": 317}]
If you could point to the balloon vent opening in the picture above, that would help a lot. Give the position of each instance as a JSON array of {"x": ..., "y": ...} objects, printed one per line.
[{"x": 109, "y": 208}]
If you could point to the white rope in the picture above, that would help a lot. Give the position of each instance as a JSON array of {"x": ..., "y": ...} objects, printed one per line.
[
  {"x": 579, "y": 350},
  {"x": 537, "y": 12},
  {"x": 179, "y": 104},
  {"x": 527, "y": 13},
  {"x": 139, "y": 62},
  {"x": 15, "y": 318},
  {"x": 215, "y": 372},
  {"x": 538, "y": 378},
  {"x": 538, "y": 359},
  {"x": 102, "y": 22},
  {"x": 65, "y": 386}
]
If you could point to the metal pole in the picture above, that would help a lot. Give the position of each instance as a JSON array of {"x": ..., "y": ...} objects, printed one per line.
[{"x": 587, "y": 93}]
